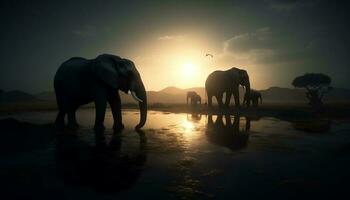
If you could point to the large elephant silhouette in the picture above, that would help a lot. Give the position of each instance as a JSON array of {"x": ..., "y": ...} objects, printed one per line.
[
  {"x": 228, "y": 134},
  {"x": 220, "y": 82},
  {"x": 80, "y": 81},
  {"x": 194, "y": 98},
  {"x": 253, "y": 97}
]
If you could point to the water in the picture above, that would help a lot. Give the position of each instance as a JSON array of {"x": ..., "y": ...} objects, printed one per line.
[{"x": 181, "y": 156}]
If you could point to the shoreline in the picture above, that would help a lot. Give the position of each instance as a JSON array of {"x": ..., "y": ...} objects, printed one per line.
[{"x": 288, "y": 112}]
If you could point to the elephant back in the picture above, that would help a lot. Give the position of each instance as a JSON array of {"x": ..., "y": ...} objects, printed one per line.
[
  {"x": 218, "y": 80},
  {"x": 69, "y": 69}
]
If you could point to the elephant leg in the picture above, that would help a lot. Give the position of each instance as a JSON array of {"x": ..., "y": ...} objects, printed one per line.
[
  {"x": 236, "y": 96},
  {"x": 115, "y": 104},
  {"x": 228, "y": 98},
  {"x": 60, "y": 119},
  {"x": 255, "y": 102},
  {"x": 100, "y": 104},
  {"x": 247, "y": 125},
  {"x": 72, "y": 121},
  {"x": 210, "y": 103},
  {"x": 219, "y": 99}
]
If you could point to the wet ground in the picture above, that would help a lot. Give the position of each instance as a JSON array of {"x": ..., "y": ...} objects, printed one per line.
[{"x": 176, "y": 156}]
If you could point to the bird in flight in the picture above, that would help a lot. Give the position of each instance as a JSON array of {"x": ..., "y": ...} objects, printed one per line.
[{"x": 208, "y": 54}]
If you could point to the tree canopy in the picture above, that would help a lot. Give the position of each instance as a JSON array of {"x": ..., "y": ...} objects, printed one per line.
[
  {"x": 312, "y": 80},
  {"x": 316, "y": 85}
]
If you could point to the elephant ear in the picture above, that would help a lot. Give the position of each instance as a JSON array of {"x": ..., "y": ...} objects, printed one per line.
[
  {"x": 243, "y": 74},
  {"x": 125, "y": 67},
  {"x": 106, "y": 72}
]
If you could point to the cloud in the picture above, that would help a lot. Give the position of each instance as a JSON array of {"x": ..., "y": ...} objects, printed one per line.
[
  {"x": 283, "y": 6},
  {"x": 248, "y": 45},
  {"x": 172, "y": 37},
  {"x": 288, "y": 5},
  {"x": 265, "y": 47},
  {"x": 85, "y": 31}
]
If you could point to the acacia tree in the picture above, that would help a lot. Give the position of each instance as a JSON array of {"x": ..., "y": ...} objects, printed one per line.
[{"x": 317, "y": 85}]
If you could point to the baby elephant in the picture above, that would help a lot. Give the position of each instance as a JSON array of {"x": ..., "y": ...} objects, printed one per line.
[
  {"x": 194, "y": 98},
  {"x": 253, "y": 98}
]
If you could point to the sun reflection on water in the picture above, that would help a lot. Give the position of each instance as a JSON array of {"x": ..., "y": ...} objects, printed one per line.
[
  {"x": 187, "y": 125},
  {"x": 190, "y": 130}
]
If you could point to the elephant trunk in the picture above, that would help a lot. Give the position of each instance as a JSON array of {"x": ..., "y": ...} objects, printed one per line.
[
  {"x": 143, "y": 113},
  {"x": 140, "y": 92}
]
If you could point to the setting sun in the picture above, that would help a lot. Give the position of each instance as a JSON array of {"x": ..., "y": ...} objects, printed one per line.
[{"x": 189, "y": 70}]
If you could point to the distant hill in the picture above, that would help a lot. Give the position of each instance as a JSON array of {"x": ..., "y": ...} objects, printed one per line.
[
  {"x": 178, "y": 91},
  {"x": 16, "y": 96},
  {"x": 271, "y": 95},
  {"x": 171, "y": 95},
  {"x": 278, "y": 94},
  {"x": 46, "y": 96},
  {"x": 288, "y": 95}
]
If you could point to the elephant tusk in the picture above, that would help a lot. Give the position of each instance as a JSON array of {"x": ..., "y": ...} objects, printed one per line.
[{"x": 133, "y": 94}]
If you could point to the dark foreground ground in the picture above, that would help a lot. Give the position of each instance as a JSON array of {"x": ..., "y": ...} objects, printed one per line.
[{"x": 278, "y": 152}]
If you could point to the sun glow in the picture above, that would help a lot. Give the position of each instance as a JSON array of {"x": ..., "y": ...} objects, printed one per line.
[{"x": 189, "y": 70}]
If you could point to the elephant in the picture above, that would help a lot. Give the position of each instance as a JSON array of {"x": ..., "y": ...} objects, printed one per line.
[
  {"x": 228, "y": 134},
  {"x": 220, "y": 82},
  {"x": 194, "y": 97},
  {"x": 253, "y": 98},
  {"x": 79, "y": 81}
]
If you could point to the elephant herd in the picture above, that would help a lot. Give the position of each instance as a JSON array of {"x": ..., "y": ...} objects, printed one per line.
[
  {"x": 80, "y": 81},
  {"x": 227, "y": 82}
]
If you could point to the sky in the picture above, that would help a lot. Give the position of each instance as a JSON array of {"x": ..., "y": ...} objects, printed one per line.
[{"x": 275, "y": 41}]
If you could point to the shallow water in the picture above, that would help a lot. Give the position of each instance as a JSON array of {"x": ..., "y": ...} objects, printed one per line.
[{"x": 182, "y": 156}]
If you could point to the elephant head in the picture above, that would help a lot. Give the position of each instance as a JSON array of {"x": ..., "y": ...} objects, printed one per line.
[
  {"x": 241, "y": 77},
  {"x": 244, "y": 81},
  {"x": 121, "y": 74}
]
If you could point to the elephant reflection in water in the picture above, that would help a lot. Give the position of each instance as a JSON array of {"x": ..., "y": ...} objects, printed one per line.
[
  {"x": 228, "y": 134},
  {"x": 102, "y": 167},
  {"x": 195, "y": 117}
]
